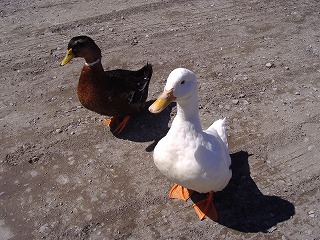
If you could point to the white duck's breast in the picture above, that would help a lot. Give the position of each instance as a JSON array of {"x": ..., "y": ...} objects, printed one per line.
[{"x": 194, "y": 160}]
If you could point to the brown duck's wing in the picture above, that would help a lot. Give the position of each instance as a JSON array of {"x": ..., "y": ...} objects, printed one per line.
[
  {"x": 141, "y": 75},
  {"x": 130, "y": 87}
]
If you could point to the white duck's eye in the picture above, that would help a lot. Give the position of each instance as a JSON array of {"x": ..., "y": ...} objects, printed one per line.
[{"x": 182, "y": 82}]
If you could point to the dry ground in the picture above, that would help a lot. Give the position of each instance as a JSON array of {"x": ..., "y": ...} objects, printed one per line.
[{"x": 64, "y": 176}]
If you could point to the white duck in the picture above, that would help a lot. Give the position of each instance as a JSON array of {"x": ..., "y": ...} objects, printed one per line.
[{"x": 194, "y": 159}]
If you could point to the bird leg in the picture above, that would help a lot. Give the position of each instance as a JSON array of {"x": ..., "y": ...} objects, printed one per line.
[
  {"x": 121, "y": 126},
  {"x": 113, "y": 123},
  {"x": 180, "y": 192},
  {"x": 206, "y": 209}
]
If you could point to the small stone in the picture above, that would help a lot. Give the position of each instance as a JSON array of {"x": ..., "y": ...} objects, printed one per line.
[
  {"x": 269, "y": 65},
  {"x": 235, "y": 101},
  {"x": 311, "y": 214},
  {"x": 272, "y": 229},
  {"x": 227, "y": 107},
  {"x": 309, "y": 232},
  {"x": 311, "y": 147},
  {"x": 297, "y": 93},
  {"x": 58, "y": 130},
  {"x": 242, "y": 95}
]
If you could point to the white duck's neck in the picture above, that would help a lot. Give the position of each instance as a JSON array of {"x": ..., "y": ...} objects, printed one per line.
[{"x": 188, "y": 112}]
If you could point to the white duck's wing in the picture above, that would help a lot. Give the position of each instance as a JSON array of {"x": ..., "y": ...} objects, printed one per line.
[{"x": 219, "y": 127}]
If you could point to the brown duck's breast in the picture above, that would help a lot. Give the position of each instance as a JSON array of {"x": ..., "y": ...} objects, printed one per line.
[{"x": 92, "y": 94}]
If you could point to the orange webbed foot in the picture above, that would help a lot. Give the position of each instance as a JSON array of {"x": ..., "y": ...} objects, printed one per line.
[
  {"x": 180, "y": 192},
  {"x": 110, "y": 122},
  {"x": 206, "y": 209}
]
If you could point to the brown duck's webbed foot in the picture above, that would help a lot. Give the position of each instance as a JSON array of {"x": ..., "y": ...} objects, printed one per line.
[
  {"x": 206, "y": 209},
  {"x": 111, "y": 122},
  {"x": 180, "y": 192}
]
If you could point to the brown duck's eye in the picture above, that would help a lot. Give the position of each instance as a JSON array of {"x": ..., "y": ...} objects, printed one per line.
[{"x": 182, "y": 82}]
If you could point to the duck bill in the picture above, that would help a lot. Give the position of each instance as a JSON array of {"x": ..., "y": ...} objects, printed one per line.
[
  {"x": 162, "y": 102},
  {"x": 67, "y": 58}
]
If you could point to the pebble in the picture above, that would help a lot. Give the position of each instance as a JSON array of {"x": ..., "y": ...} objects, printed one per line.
[
  {"x": 311, "y": 214},
  {"x": 235, "y": 101},
  {"x": 227, "y": 107},
  {"x": 269, "y": 65},
  {"x": 272, "y": 229},
  {"x": 58, "y": 130},
  {"x": 309, "y": 232},
  {"x": 311, "y": 147}
]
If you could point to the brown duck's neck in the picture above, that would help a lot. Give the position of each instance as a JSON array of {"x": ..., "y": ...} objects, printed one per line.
[
  {"x": 92, "y": 63},
  {"x": 92, "y": 72}
]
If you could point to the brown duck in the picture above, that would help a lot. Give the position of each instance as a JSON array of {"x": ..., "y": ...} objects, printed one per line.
[{"x": 116, "y": 93}]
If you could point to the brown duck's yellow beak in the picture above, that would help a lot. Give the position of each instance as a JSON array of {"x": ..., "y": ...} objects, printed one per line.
[
  {"x": 67, "y": 58},
  {"x": 162, "y": 102}
]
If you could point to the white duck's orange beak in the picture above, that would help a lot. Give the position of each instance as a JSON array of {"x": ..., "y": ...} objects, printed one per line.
[{"x": 162, "y": 102}]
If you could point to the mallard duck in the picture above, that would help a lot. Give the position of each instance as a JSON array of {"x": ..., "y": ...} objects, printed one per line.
[
  {"x": 117, "y": 93},
  {"x": 194, "y": 159}
]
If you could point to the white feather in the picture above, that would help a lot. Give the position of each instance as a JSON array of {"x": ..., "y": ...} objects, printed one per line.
[{"x": 187, "y": 155}]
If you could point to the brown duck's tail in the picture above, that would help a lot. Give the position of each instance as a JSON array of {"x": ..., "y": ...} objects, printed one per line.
[
  {"x": 145, "y": 71},
  {"x": 141, "y": 94}
]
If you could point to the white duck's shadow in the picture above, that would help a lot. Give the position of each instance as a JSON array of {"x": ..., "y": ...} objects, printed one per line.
[{"x": 241, "y": 205}]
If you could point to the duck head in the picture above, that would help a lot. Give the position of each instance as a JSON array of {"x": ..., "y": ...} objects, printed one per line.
[
  {"x": 181, "y": 87},
  {"x": 82, "y": 46}
]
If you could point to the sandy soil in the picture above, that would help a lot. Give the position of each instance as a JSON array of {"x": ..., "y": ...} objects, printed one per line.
[{"x": 64, "y": 176}]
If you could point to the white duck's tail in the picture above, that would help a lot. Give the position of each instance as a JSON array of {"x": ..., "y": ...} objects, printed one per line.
[{"x": 221, "y": 128}]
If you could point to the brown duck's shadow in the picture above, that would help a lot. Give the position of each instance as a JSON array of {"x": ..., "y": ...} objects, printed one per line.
[
  {"x": 147, "y": 127},
  {"x": 242, "y": 206}
]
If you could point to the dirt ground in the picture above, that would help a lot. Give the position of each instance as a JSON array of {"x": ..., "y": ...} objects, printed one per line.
[{"x": 65, "y": 176}]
